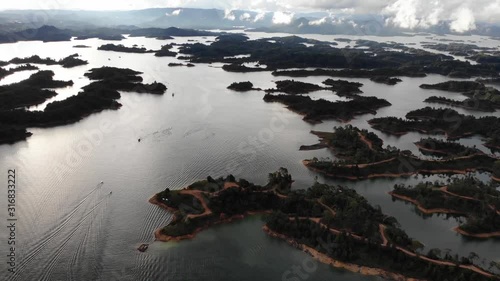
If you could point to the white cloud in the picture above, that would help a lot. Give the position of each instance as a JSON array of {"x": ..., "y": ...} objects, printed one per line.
[
  {"x": 175, "y": 13},
  {"x": 245, "y": 17},
  {"x": 283, "y": 17},
  {"x": 260, "y": 16},
  {"x": 463, "y": 20},
  {"x": 228, "y": 14},
  {"x": 462, "y": 14},
  {"x": 319, "y": 21}
]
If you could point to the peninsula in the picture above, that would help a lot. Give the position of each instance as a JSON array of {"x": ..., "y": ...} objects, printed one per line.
[
  {"x": 332, "y": 223},
  {"x": 362, "y": 157},
  {"x": 469, "y": 197}
]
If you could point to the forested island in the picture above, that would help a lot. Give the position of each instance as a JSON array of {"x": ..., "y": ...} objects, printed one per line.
[
  {"x": 31, "y": 91},
  {"x": 441, "y": 121},
  {"x": 67, "y": 62},
  {"x": 242, "y": 86},
  {"x": 290, "y": 52},
  {"x": 386, "y": 80},
  {"x": 95, "y": 97},
  {"x": 469, "y": 197},
  {"x": 445, "y": 148},
  {"x": 470, "y": 104},
  {"x": 361, "y": 156},
  {"x": 455, "y": 86},
  {"x": 332, "y": 223},
  {"x": 6, "y": 72},
  {"x": 165, "y": 51},
  {"x": 315, "y": 111},
  {"x": 121, "y": 48},
  {"x": 48, "y": 33}
]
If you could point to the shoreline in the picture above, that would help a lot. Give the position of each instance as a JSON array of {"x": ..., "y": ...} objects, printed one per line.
[
  {"x": 398, "y": 175},
  {"x": 478, "y": 235},
  {"x": 424, "y": 210},
  {"x": 159, "y": 236},
  {"x": 323, "y": 258},
  {"x": 445, "y": 211}
]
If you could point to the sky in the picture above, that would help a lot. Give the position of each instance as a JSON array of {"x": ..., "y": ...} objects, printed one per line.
[{"x": 463, "y": 14}]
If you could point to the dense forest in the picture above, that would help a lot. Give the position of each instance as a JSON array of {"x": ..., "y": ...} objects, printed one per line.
[
  {"x": 67, "y": 62},
  {"x": 333, "y": 220},
  {"x": 445, "y": 148},
  {"x": 290, "y": 52},
  {"x": 316, "y": 110},
  {"x": 95, "y": 97},
  {"x": 471, "y": 104},
  {"x": 122, "y": 49},
  {"x": 479, "y": 202},
  {"x": 438, "y": 121},
  {"x": 31, "y": 91}
]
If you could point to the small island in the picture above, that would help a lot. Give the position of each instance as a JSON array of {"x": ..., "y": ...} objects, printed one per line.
[
  {"x": 386, "y": 80},
  {"x": 67, "y": 62},
  {"x": 441, "y": 121},
  {"x": 443, "y": 148},
  {"x": 470, "y": 104},
  {"x": 315, "y": 111},
  {"x": 165, "y": 51},
  {"x": 332, "y": 223},
  {"x": 361, "y": 156},
  {"x": 242, "y": 86},
  {"x": 95, "y": 97},
  {"x": 31, "y": 91},
  {"x": 174, "y": 64},
  {"x": 343, "y": 88},
  {"x": 455, "y": 86},
  {"x": 468, "y": 197},
  {"x": 293, "y": 87},
  {"x": 6, "y": 72},
  {"x": 121, "y": 48}
]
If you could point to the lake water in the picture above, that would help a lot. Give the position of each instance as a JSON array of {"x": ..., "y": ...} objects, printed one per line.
[{"x": 71, "y": 228}]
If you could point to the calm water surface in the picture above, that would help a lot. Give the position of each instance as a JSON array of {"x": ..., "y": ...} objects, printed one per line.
[{"x": 71, "y": 228}]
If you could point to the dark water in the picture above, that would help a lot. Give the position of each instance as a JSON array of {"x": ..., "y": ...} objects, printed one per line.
[{"x": 71, "y": 228}]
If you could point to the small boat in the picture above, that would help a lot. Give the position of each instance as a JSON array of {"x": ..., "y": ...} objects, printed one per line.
[
  {"x": 139, "y": 140},
  {"x": 173, "y": 94},
  {"x": 143, "y": 247},
  {"x": 102, "y": 182},
  {"x": 110, "y": 192}
]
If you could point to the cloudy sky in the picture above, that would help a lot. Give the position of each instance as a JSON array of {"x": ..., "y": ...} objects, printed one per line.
[{"x": 463, "y": 14}]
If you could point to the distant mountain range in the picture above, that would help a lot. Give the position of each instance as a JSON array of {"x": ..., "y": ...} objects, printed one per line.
[{"x": 321, "y": 23}]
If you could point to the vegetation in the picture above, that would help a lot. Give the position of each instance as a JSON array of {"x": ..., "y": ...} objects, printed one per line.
[
  {"x": 290, "y": 52},
  {"x": 468, "y": 196},
  {"x": 356, "y": 146},
  {"x": 95, "y": 97},
  {"x": 241, "y": 86},
  {"x": 386, "y": 80},
  {"x": 438, "y": 121},
  {"x": 401, "y": 166},
  {"x": 67, "y": 62},
  {"x": 455, "y": 86},
  {"x": 123, "y": 49},
  {"x": 471, "y": 104},
  {"x": 351, "y": 73},
  {"x": 31, "y": 91},
  {"x": 293, "y": 87},
  {"x": 448, "y": 149},
  {"x": 333, "y": 220},
  {"x": 317, "y": 110},
  {"x": 6, "y": 72},
  {"x": 165, "y": 51},
  {"x": 343, "y": 87}
]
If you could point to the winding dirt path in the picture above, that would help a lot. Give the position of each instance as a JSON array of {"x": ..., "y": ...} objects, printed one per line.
[
  {"x": 365, "y": 140},
  {"x": 198, "y": 195},
  {"x": 385, "y": 241}
]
